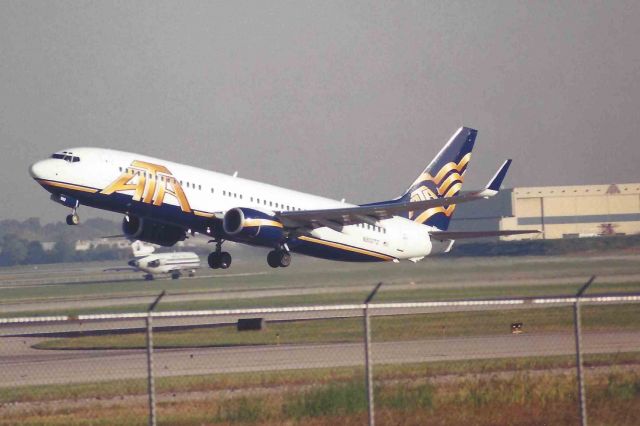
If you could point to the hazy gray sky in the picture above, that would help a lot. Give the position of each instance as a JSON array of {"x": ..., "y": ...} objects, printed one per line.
[{"x": 343, "y": 99}]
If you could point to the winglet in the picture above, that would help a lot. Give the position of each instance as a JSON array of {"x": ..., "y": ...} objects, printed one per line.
[{"x": 496, "y": 180}]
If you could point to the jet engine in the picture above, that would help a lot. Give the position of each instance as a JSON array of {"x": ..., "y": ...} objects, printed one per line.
[
  {"x": 253, "y": 226},
  {"x": 150, "y": 231}
]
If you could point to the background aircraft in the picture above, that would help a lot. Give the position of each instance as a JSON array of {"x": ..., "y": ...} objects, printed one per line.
[{"x": 175, "y": 264}]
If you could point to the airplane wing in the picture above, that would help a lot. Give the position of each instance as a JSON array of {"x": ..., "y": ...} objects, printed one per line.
[
  {"x": 453, "y": 235},
  {"x": 369, "y": 213}
]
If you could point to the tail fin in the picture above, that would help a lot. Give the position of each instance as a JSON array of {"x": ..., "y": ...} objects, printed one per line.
[
  {"x": 140, "y": 249},
  {"x": 443, "y": 177}
]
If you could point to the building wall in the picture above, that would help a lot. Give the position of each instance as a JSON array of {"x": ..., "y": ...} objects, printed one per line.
[
  {"x": 575, "y": 211},
  {"x": 556, "y": 211}
]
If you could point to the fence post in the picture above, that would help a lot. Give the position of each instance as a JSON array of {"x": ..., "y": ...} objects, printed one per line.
[
  {"x": 367, "y": 355},
  {"x": 150, "y": 382},
  {"x": 577, "y": 322}
]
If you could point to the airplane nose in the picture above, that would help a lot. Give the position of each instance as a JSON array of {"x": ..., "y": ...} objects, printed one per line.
[{"x": 36, "y": 170}]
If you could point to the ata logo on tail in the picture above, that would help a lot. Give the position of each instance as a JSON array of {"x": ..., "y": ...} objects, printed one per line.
[
  {"x": 151, "y": 183},
  {"x": 448, "y": 187}
]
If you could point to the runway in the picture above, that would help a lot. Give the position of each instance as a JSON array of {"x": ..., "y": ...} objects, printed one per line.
[
  {"x": 21, "y": 365},
  {"x": 222, "y": 295},
  {"x": 60, "y": 288}
]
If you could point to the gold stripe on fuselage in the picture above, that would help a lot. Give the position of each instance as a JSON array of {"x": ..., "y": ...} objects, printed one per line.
[
  {"x": 67, "y": 186},
  {"x": 345, "y": 247}
]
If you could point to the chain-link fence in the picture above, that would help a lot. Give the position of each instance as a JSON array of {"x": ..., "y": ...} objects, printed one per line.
[{"x": 508, "y": 361}]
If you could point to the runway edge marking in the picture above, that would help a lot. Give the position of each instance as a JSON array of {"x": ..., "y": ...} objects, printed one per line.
[{"x": 324, "y": 308}]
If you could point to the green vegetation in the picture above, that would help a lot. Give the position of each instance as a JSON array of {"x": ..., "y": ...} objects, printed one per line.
[
  {"x": 433, "y": 279},
  {"x": 496, "y": 398},
  {"x": 354, "y": 297},
  {"x": 391, "y": 328},
  {"x": 21, "y": 242},
  {"x": 600, "y": 244},
  {"x": 288, "y": 378}
]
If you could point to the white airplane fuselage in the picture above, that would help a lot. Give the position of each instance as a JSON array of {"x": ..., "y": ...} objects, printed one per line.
[
  {"x": 194, "y": 199},
  {"x": 167, "y": 263}
]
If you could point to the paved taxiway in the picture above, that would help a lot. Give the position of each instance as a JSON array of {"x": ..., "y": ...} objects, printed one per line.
[{"x": 22, "y": 365}]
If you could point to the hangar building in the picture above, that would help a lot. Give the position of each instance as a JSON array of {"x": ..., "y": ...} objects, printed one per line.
[{"x": 556, "y": 211}]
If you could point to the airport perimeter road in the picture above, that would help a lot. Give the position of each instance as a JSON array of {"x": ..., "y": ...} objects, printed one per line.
[{"x": 22, "y": 365}]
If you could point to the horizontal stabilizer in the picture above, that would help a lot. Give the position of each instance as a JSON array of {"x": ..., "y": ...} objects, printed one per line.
[
  {"x": 446, "y": 235},
  {"x": 384, "y": 210},
  {"x": 496, "y": 181}
]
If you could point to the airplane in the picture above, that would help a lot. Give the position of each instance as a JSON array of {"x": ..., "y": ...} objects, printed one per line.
[
  {"x": 163, "y": 202},
  {"x": 151, "y": 264}
]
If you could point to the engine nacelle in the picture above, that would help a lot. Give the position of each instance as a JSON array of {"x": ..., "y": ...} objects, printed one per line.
[
  {"x": 253, "y": 226},
  {"x": 150, "y": 231}
]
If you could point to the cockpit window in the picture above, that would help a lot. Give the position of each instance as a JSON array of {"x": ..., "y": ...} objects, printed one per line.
[{"x": 66, "y": 156}]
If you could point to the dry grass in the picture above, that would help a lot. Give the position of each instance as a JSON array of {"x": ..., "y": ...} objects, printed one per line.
[{"x": 504, "y": 398}]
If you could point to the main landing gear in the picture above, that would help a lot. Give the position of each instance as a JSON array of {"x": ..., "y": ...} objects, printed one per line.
[
  {"x": 219, "y": 259},
  {"x": 279, "y": 258}
]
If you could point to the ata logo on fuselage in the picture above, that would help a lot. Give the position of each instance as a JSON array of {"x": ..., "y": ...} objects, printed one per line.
[{"x": 151, "y": 183}]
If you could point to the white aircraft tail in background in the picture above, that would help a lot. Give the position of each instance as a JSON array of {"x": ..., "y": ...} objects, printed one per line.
[
  {"x": 141, "y": 249},
  {"x": 174, "y": 264}
]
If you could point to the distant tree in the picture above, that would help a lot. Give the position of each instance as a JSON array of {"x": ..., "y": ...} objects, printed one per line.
[
  {"x": 14, "y": 250},
  {"x": 63, "y": 251},
  {"x": 35, "y": 253}
]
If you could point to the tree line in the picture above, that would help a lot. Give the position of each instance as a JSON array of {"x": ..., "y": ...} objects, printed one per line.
[{"x": 21, "y": 242}]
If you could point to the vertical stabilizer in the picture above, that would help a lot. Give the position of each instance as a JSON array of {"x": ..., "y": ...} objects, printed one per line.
[{"x": 442, "y": 178}]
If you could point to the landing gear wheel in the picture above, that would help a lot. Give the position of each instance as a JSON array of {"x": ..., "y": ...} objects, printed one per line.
[
  {"x": 175, "y": 275},
  {"x": 285, "y": 259},
  {"x": 148, "y": 277},
  {"x": 278, "y": 258},
  {"x": 273, "y": 259},
  {"x": 219, "y": 260},
  {"x": 225, "y": 260},
  {"x": 73, "y": 219},
  {"x": 214, "y": 260}
]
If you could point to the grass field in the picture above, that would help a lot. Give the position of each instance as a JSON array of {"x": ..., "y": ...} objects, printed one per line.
[
  {"x": 541, "y": 390},
  {"x": 311, "y": 281},
  {"x": 312, "y": 273},
  {"x": 391, "y": 328},
  {"x": 527, "y": 390}
]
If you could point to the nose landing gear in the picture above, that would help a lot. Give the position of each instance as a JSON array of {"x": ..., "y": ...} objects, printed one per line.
[
  {"x": 219, "y": 259},
  {"x": 73, "y": 219}
]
